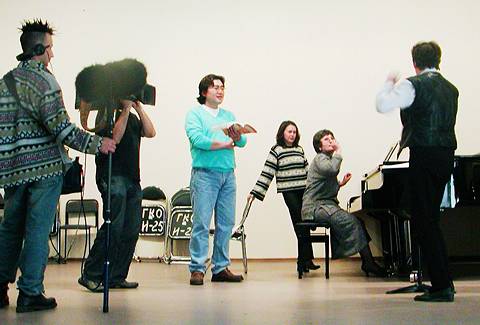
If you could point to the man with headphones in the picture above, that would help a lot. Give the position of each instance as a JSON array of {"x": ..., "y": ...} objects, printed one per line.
[
  {"x": 34, "y": 127},
  {"x": 38, "y": 50}
]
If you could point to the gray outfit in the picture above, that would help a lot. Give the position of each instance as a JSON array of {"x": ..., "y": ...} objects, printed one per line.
[{"x": 320, "y": 204}]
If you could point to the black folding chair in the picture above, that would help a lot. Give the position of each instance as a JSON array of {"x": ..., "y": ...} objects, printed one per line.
[{"x": 75, "y": 209}]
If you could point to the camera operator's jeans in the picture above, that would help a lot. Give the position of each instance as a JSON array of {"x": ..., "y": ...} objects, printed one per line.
[
  {"x": 29, "y": 215},
  {"x": 125, "y": 215},
  {"x": 211, "y": 191}
]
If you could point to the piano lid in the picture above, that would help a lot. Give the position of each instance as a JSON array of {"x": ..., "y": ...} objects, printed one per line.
[
  {"x": 395, "y": 156},
  {"x": 389, "y": 162}
]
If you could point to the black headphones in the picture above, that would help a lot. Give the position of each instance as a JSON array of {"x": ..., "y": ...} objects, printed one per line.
[{"x": 38, "y": 49}]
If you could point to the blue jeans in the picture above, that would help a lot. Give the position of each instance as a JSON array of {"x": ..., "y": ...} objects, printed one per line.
[
  {"x": 125, "y": 216},
  {"x": 29, "y": 216},
  {"x": 212, "y": 191}
]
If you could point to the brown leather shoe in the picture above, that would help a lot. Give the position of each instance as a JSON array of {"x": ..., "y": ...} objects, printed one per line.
[
  {"x": 226, "y": 276},
  {"x": 196, "y": 278}
]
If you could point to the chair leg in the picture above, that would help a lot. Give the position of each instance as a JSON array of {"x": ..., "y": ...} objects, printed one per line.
[
  {"x": 65, "y": 248},
  {"x": 167, "y": 253},
  {"x": 244, "y": 254},
  {"x": 327, "y": 258},
  {"x": 89, "y": 235},
  {"x": 59, "y": 245}
]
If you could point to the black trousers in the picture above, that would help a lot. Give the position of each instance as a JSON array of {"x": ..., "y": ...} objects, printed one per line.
[
  {"x": 429, "y": 171},
  {"x": 125, "y": 215},
  {"x": 293, "y": 200}
]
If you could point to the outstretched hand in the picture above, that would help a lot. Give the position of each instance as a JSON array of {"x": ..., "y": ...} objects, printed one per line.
[{"x": 345, "y": 179}]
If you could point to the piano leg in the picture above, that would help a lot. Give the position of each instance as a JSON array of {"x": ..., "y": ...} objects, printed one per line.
[
  {"x": 396, "y": 232},
  {"x": 394, "y": 249}
]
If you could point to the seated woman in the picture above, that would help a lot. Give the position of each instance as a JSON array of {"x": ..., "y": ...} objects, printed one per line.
[
  {"x": 286, "y": 161},
  {"x": 320, "y": 204}
]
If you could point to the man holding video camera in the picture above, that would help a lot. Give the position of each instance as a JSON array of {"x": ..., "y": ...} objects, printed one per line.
[
  {"x": 126, "y": 200},
  {"x": 34, "y": 127}
]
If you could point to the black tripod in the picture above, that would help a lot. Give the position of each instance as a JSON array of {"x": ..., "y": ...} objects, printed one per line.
[
  {"x": 417, "y": 277},
  {"x": 107, "y": 217}
]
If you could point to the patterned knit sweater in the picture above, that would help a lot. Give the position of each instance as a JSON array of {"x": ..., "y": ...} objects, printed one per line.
[
  {"x": 32, "y": 135},
  {"x": 288, "y": 165}
]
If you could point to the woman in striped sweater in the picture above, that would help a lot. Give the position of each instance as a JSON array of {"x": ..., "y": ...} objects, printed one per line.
[{"x": 286, "y": 161}]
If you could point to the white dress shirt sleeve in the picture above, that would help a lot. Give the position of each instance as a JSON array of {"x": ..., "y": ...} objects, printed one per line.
[{"x": 400, "y": 95}]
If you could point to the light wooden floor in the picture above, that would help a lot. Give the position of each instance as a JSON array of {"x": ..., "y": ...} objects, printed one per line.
[{"x": 271, "y": 294}]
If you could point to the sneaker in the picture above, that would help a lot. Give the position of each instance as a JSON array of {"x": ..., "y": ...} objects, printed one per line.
[
  {"x": 196, "y": 278},
  {"x": 90, "y": 284},
  {"x": 4, "y": 302},
  {"x": 124, "y": 285},
  {"x": 27, "y": 304},
  {"x": 226, "y": 276},
  {"x": 444, "y": 295}
]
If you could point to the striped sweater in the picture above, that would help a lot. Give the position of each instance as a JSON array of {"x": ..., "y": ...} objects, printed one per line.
[
  {"x": 32, "y": 136},
  {"x": 288, "y": 165}
]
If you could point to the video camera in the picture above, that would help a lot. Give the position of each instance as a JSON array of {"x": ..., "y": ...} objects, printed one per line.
[{"x": 101, "y": 87}]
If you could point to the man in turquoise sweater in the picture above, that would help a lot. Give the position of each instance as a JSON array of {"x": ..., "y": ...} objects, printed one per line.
[{"x": 212, "y": 182}]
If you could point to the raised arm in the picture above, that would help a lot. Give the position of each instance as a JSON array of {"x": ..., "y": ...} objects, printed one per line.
[
  {"x": 395, "y": 94},
  {"x": 148, "y": 129}
]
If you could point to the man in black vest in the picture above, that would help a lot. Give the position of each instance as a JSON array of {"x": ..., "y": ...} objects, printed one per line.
[{"x": 428, "y": 108}]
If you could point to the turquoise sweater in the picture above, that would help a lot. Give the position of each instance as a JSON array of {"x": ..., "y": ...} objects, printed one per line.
[{"x": 200, "y": 128}]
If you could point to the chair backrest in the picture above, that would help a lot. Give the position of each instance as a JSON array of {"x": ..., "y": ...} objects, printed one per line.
[
  {"x": 245, "y": 212},
  {"x": 153, "y": 193},
  {"x": 182, "y": 198},
  {"x": 180, "y": 222},
  {"x": 76, "y": 208}
]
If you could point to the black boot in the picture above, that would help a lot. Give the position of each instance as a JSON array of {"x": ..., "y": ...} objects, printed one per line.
[
  {"x": 4, "y": 295},
  {"x": 311, "y": 266},
  {"x": 27, "y": 304},
  {"x": 369, "y": 265}
]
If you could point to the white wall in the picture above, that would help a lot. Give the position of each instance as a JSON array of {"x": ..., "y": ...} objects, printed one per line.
[{"x": 319, "y": 63}]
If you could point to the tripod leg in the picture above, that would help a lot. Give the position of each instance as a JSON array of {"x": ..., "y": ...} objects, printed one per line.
[
  {"x": 418, "y": 286},
  {"x": 410, "y": 289}
]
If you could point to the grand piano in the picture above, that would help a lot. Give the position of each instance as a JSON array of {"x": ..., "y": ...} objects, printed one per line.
[{"x": 384, "y": 202}]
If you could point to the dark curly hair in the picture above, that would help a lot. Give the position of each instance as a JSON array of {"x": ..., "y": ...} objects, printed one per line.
[
  {"x": 281, "y": 130},
  {"x": 426, "y": 55}
]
